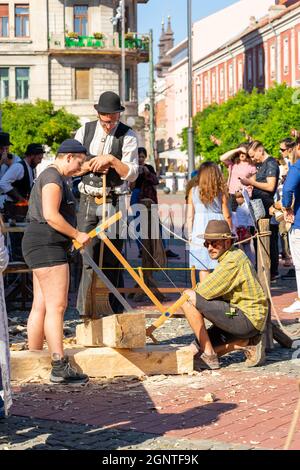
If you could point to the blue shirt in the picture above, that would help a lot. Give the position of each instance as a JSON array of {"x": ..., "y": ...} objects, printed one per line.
[{"x": 291, "y": 189}]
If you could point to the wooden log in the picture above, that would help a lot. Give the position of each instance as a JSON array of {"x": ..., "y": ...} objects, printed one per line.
[
  {"x": 264, "y": 273},
  {"x": 281, "y": 337},
  {"x": 125, "y": 331},
  {"x": 107, "y": 362}
]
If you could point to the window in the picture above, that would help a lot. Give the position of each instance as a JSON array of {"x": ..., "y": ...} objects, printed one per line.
[
  {"x": 249, "y": 69},
  {"x": 261, "y": 65},
  {"x": 198, "y": 93},
  {"x": 241, "y": 74},
  {"x": 222, "y": 83},
  {"x": 81, "y": 20},
  {"x": 22, "y": 21},
  {"x": 4, "y": 21},
  {"x": 298, "y": 49},
  {"x": 206, "y": 90},
  {"x": 214, "y": 86},
  {"x": 286, "y": 51},
  {"x": 231, "y": 84},
  {"x": 22, "y": 83},
  {"x": 273, "y": 61},
  {"x": 82, "y": 84},
  {"x": 4, "y": 84}
]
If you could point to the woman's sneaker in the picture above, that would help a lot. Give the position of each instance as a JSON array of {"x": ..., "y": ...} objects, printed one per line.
[
  {"x": 63, "y": 373},
  {"x": 294, "y": 308}
]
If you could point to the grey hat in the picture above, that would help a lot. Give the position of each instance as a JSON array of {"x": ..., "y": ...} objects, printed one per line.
[{"x": 217, "y": 230}]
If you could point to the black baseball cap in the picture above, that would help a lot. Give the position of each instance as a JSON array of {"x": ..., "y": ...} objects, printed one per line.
[
  {"x": 71, "y": 146},
  {"x": 34, "y": 149}
]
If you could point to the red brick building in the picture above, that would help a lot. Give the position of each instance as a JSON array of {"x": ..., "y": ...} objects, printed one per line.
[{"x": 268, "y": 51}]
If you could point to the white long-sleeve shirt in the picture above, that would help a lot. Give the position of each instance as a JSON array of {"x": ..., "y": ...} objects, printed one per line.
[
  {"x": 3, "y": 170},
  {"x": 129, "y": 149},
  {"x": 14, "y": 173}
]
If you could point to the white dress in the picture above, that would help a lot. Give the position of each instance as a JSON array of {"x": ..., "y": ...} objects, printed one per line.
[
  {"x": 199, "y": 256},
  {"x": 5, "y": 390}
]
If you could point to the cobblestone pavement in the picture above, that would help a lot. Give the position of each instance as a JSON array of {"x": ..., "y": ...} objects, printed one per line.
[{"x": 36, "y": 434}]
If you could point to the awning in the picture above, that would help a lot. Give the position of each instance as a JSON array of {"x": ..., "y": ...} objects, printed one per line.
[{"x": 174, "y": 154}]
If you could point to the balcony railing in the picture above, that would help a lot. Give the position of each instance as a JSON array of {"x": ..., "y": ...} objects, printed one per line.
[
  {"x": 136, "y": 42},
  {"x": 132, "y": 42}
]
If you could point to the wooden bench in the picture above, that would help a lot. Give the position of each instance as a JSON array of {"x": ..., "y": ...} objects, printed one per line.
[{"x": 21, "y": 285}]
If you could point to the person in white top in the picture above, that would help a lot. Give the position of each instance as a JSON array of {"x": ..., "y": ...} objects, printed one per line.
[
  {"x": 112, "y": 150},
  {"x": 17, "y": 182},
  {"x": 244, "y": 225},
  {"x": 6, "y": 159}
]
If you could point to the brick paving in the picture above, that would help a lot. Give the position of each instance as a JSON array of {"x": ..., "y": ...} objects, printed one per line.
[{"x": 253, "y": 408}]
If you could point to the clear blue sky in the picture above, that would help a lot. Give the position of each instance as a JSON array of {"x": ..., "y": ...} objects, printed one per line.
[{"x": 150, "y": 17}]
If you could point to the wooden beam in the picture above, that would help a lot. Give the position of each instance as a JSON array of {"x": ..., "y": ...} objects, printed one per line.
[
  {"x": 125, "y": 331},
  {"x": 138, "y": 290},
  {"x": 107, "y": 362}
]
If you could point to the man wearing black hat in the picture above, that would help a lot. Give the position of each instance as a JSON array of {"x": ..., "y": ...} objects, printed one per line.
[
  {"x": 6, "y": 158},
  {"x": 18, "y": 180},
  {"x": 16, "y": 186},
  {"x": 112, "y": 150}
]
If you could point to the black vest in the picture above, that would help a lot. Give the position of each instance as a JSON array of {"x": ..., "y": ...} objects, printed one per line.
[
  {"x": 23, "y": 186},
  {"x": 112, "y": 178}
]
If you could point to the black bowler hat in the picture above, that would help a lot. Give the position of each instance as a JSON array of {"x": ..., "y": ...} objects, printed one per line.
[
  {"x": 34, "y": 149},
  {"x": 4, "y": 139},
  {"x": 109, "y": 103},
  {"x": 71, "y": 146}
]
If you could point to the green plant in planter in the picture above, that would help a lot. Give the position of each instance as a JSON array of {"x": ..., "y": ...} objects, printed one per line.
[
  {"x": 98, "y": 35},
  {"x": 129, "y": 35},
  {"x": 73, "y": 35}
]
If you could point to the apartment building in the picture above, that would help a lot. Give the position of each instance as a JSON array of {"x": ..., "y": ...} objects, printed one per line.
[{"x": 69, "y": 52}]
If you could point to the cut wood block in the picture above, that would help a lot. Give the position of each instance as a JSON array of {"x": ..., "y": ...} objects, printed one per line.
[
  {"x": 107, "y": 362},
  {"x": 125, "y": 331}
]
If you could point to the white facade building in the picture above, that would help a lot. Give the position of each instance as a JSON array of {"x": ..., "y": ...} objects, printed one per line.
[{"x": 68, "y": 52}]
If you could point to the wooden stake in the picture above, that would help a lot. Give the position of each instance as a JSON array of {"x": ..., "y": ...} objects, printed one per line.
[{"x": 193, "y": 277}]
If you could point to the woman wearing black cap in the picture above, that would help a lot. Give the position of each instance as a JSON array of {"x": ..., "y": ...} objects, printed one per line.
[{"x": 47, "y": 239}]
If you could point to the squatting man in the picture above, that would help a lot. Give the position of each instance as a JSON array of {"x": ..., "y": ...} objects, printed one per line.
[{"x": 232, "y": 299}]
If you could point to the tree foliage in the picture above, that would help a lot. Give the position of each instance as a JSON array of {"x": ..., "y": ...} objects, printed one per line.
[
  {"x": 268, "y": 117},
  {"x": 39, "y": 123}
]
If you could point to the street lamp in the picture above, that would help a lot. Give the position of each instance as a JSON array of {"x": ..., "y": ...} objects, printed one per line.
[
  {"x": 191, "y": 155},
  {"x": 120, "y": 17}
]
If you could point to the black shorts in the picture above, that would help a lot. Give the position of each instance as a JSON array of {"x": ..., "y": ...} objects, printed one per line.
[
  {"x": 219, "y": 312},
  {"x": 44, "y": 247}
]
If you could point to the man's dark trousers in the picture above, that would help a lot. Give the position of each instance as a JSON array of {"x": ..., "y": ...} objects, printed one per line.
[{"x": 89, "y": 216}]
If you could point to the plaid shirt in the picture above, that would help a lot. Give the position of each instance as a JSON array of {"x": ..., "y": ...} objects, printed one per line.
[{"x": 235, "y": 281}]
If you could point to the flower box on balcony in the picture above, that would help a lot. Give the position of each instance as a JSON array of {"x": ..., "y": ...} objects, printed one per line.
[{"x": 84, "y": 41}]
